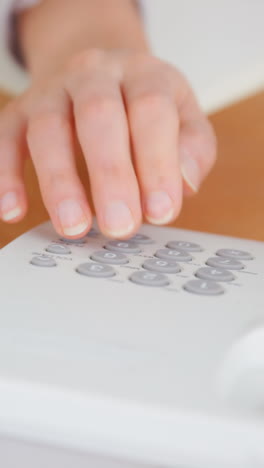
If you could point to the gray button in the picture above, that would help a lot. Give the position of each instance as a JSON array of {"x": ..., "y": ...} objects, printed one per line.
[
  {"x": 228, "y": 263},
  {"x": 204, "y": 287},
  {"x": 43, "y": 261},
  {"x": 58, "y": 249},
  {"x": 123, "y": 246},
  {"x": 96, "y": 270},
  {"x": 187, "y": 246},
  {"x": 215, "y": 274},
  {"x": 161, "y": 266},
  {"x": 141, "y": 239},
  {"x": 114, "y": 258},
  {"x": 92, "y": 233},
  {"x": 73, "y": 241},
  {"x": 172, "y": 254},
  {"x": 146, "y": 278},
  {"x": 233, "y": 253}
]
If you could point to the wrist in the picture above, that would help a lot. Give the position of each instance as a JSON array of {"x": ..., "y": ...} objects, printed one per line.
[{"x": 79, "y": 25}]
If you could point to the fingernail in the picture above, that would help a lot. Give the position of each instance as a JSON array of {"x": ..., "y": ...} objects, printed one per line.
[
  {"x": 118, "y": 219},
  {"x": 159, "y": 208},
  {"x": 72, "y": 218},
  {"x": 191, "y": 172},
  {"x": 10, "y": 208}
]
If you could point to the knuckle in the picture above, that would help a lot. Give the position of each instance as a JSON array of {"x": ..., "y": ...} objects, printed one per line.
[
  {"x": 113, "y": 168},
  {"x": 98, "y": 106},
  {"x": 143, "y": 60},
  {"x": 46, "y": 121},
  {"x": 86, "y": 59},
  {"x": 150, "y": 102},
  {"x": 11, "y": 114},
  {"x": 60, "y": 179},
  {"x": 110, "y": 166}
]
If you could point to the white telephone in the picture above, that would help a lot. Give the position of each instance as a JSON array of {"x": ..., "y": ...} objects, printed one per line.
[{"x": 146, "y": 352}]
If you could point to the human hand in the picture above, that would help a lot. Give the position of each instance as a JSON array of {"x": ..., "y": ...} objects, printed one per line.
[{"x": 145, "y": 141}]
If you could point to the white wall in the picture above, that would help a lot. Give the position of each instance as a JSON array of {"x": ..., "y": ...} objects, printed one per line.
[{"x": 219, "y": 44}]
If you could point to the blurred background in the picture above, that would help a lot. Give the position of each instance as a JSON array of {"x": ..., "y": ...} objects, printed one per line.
[{"x": 218, "y": 44}]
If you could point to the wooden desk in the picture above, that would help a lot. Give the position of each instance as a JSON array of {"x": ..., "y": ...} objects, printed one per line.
[{"x": 231, "y": 200}]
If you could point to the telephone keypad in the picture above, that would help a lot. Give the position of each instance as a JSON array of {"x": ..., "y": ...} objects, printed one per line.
[
  {"x": 222, "y": 262},
  {"x": 113, "y": 258},
  {"x": 162, "y": 266},
  {"x": 215, "y": 274},
  {"x": 172, "y": 254},
  {"x": 58, "y": 249},
  {"x": 95, "y": 270}
]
